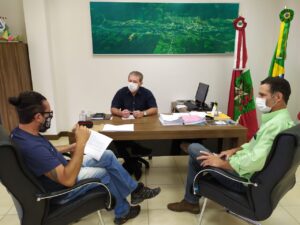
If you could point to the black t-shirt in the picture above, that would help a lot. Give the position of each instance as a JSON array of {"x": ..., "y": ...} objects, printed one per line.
[{"x": 143, "y": 100}]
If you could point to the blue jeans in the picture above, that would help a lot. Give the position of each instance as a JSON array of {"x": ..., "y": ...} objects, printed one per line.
[
  {"x": 194, "y": 167},
  {"x": 111, "y": 173}
]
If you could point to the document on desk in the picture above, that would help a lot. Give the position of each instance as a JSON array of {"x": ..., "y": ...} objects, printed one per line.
[
  {"x": 120, "y": 128},
  {"x": 170, "y": 120},
  {"x": 130, "y": 117},
  {"x": 96, "y": 145}
]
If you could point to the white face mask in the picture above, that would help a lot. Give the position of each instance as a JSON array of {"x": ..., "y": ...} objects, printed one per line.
[
  {"x": 132, "y": 86},
  {"x": 261, "y": 105}
]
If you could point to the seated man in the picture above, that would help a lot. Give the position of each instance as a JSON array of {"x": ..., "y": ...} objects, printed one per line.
[
  {"x": 250, "y": 157},
  {"x": 55, "y": 173},
  {"x": 137, "y": 101}
]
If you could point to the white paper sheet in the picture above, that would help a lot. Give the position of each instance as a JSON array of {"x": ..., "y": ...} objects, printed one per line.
[
  {"x": 96, "y": 145},
  {"x": 123, "y": 127}
]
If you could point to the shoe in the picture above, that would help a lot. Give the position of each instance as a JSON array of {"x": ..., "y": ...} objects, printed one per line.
[
  {"x": 133, "y": 212},
  {"x": 143, "y": 193},
  {"x": 184, "y": 206}
]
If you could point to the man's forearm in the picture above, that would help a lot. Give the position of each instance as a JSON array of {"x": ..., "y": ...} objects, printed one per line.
[
  {"x": 72, "y": 169},
  {"x": 65, "y": 148},
  {"x": 116, "y": 112},
  {"x": 151, "y": 111}
]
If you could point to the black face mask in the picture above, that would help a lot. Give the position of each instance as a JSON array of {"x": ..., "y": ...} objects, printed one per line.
[{"x": 46, "y": 125}]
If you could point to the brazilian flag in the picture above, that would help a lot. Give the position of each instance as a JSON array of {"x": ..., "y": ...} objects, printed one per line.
[{"x": 277, "y": 64}]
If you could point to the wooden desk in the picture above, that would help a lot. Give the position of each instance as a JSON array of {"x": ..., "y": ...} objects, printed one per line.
[{"x": 149, "y": 128}]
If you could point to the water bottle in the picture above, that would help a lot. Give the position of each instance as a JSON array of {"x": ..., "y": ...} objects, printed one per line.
[
  {"x": 214, "y": 111},
  {"x": 82, "y": 116}
]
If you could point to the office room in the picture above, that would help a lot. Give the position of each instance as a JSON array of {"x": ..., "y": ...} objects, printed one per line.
[{"x": 63, "y": 66}]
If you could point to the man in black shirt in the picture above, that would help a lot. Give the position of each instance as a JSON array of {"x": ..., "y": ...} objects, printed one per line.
[{"x": 137, "y": 101}]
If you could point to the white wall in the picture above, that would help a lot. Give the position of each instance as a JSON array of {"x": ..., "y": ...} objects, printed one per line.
[{"x": 66, "y": 71}]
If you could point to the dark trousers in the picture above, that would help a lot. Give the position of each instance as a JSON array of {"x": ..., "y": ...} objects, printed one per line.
[{"x": 130, "y": 151}]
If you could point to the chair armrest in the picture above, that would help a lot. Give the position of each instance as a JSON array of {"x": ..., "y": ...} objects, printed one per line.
[
  {"x": 223, "y": 173},
  {"x": 80, "y": 184}
]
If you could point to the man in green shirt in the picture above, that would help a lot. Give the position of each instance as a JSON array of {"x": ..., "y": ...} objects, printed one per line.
[{"x": 249, "y": 158}]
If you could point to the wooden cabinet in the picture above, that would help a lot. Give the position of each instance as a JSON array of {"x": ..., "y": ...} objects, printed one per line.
[{"x": 15, "y": 77}]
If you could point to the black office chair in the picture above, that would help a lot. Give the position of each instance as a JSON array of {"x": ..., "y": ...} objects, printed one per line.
[
  {"x": 35, "y": 202},
  {"x": 132, "y": 153},
  {"x": 265, "y": 188}
]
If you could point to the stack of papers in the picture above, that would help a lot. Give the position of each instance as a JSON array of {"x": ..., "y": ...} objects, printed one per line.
[
  {"x": 193, "y": 119},
  {"x": 170, "y": 120}
]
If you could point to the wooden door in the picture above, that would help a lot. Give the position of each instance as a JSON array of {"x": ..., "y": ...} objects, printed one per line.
[{"x": 15, "y": 77}]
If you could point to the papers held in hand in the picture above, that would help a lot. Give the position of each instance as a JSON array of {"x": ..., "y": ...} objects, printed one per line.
[{"x": 96, "y": 145}]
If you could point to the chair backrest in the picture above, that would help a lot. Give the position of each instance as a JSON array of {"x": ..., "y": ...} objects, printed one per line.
[
  {"x": 278, "y": 175},
  {"x": 20, "y": 182}
]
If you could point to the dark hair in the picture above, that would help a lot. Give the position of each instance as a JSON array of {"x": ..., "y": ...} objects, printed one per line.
[
  {"x": 27, "y": 104},
  {"x": 278, "y": 84},
  {"x": 138, "y": 74}
]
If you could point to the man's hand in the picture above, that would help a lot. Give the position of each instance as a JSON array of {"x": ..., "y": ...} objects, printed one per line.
[
  {"x": 226, "y": 154},
  {"x": 82, "y": 135},
  {"x": 125, "y": 113},
  {"x": 138, "y": 114},
  {"x": 210, "y": 159}
]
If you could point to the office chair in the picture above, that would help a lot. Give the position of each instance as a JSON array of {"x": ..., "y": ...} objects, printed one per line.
[
  {"x": 35, "y": 202},
  {"x": 132, "y": 153},
  {"x": 265, "y": 188}
]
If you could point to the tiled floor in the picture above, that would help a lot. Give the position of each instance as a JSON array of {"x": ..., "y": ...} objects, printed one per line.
[{"x": 169, "y": 173}]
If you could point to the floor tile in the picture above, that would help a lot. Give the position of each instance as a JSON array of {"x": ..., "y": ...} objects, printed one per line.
[
  {"x": 163, "y": 176},
  {"x": 10, "y": 219},
  {"x": 167, "y": 217},
  {"x": 162, "y": 161},
  {"x": 294, "y": 211},
  {"x": 279, "y": 217},
  {"x": 292, "y": 198},
  {"x": 181, "y": 161},
  {"x": 6, "y": 202},
  {"x": 169, "y": 193}
]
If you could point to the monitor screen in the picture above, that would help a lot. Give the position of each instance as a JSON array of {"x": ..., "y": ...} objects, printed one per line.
[{"x": 201, "y": 93}]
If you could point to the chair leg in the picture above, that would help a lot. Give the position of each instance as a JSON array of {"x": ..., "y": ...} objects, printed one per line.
[
  {"x": 244, "y": 218},
  {"x": 101, "y": 222},
  {"x": 202, "y": 211},
  {"x": 140, "y": 159}
]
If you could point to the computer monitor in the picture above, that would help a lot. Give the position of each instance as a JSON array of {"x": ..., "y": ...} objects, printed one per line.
[{"x": 201, "y": 94}]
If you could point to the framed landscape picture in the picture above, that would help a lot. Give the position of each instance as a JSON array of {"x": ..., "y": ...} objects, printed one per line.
[{"x": 163, "y": 28}]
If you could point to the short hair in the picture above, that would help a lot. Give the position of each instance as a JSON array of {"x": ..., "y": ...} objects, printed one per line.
[
  {"x": 278, "y": 84},
  {"x": 27, "y": 104},
  {"x": 138, "y": 74}
]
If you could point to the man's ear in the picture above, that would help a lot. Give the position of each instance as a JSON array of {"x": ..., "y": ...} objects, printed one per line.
[
  {"x": 38, "y": 116},
  {"x": 278, "y": 96}
]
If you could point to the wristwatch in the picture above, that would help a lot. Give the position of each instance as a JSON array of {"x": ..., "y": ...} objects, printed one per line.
[{"x": 145, "y": 113}]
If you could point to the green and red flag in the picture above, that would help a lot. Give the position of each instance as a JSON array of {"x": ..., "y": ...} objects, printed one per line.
[
  {"x": 277, "y": 64},
  {"x": 241, "y": 105}
]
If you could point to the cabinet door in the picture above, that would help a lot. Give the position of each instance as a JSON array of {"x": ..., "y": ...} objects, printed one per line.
[{"x": 15, "y": 77}]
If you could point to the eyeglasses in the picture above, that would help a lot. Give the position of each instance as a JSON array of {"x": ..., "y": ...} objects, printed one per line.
[{"x": 50, "y": 114}]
